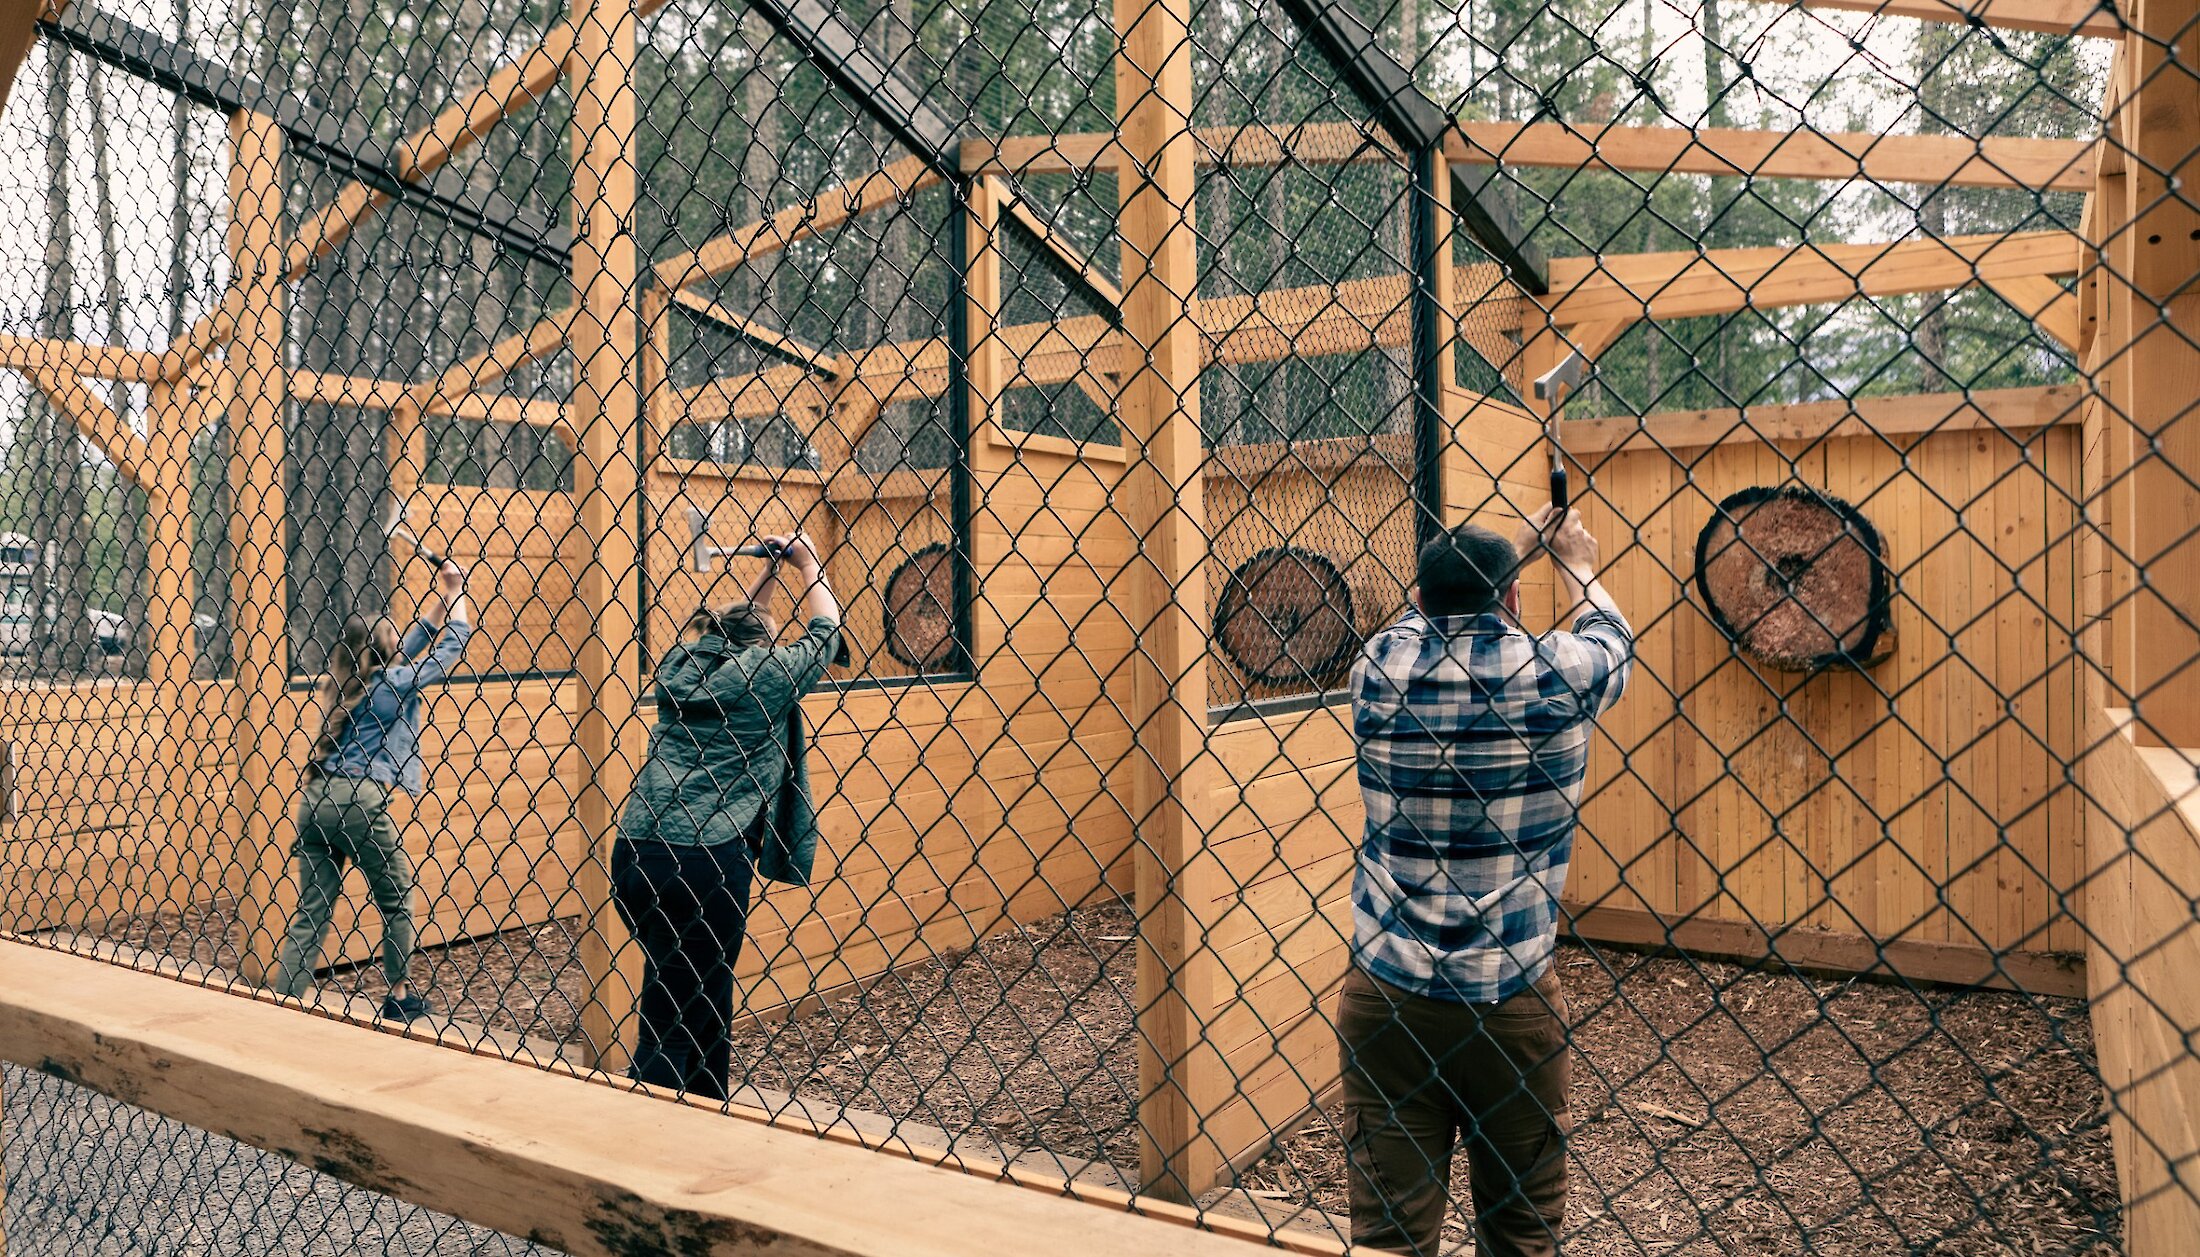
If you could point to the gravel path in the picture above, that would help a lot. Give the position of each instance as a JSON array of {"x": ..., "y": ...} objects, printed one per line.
[{"x": 88, "y": 1176}]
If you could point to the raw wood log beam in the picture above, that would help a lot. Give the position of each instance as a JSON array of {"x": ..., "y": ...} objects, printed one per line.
[
  {"x": 97, "y": 421},
  {"x": 583, "y": 1167}
]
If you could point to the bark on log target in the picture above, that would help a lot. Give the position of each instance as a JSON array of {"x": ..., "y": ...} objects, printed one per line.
[
  {"x": 920, "y": 608},
  {"x": 1285, "y": 617},
  {"x": 1798, "y": 579}
]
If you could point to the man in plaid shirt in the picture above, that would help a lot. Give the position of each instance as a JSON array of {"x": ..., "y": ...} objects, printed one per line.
[{"x": 1473, "y": 739}]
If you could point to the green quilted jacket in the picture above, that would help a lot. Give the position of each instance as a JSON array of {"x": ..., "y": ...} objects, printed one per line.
[{"x": 729, "y": 744}]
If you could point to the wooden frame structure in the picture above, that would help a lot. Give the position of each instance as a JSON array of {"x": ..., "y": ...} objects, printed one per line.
[{"x": 1172, "y": 792}]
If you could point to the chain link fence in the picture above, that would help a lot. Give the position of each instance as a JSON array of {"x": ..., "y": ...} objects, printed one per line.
[{"x": 1117, "y": 364}]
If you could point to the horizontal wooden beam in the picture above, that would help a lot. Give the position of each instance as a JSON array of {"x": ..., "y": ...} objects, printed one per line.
[
  {"x": 99, "y": 423},
  {"x": 1912, "y": 415},
  {"x": 100, "y": 362},
  {"x": 1604, "y": 294},
  {"x": 1940, "y": 160},
  {"x": 366, "y": 393},
  {"x": 1688, "y": 284},
  {"x": 893, "y": 182},
  {"x": 2053, "y": 17},
  {"x": 1832, "y": 952},
  {"x": 1992, "y": 162},
  {"x": 581, "y": 1166}
]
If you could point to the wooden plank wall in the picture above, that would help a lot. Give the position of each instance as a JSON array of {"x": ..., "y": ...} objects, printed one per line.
[
  {"x": 1922, "y": 800},
  {"x": 96, "y": 828},
  {"x": 1717, "y": 803},
  {"x": 2144, "y": 817}
]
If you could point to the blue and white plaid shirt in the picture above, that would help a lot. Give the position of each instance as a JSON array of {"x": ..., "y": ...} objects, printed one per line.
[{"x": 1473, "y": 739}]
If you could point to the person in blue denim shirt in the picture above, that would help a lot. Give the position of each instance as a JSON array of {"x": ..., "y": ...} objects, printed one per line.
[{"x": 368, "y": 746}]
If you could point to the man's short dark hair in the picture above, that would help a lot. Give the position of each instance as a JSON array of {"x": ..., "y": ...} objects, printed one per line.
[{"x": 1466, "y": 571}]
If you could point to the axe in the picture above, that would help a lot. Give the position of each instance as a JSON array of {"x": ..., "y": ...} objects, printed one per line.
[
  {"x": 1550, "y": 387},
  {"x": 702, "y": 552},
  {"x": 393, "y": 525}
]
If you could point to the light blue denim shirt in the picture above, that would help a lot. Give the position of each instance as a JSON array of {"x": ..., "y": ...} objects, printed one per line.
[{"x": 381, "y": 741}]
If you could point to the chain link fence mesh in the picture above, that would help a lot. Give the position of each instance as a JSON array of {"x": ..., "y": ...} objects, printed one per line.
[{"x": 1859, "y": 951}]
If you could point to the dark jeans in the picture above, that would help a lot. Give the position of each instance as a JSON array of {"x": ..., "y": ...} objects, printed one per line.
[
  {"x": 687, "y": 906},
  {"x": 1419, "y": 1075}
]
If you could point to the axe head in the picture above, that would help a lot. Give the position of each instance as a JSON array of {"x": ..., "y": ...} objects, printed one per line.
[{"x": 700, "y": 551}]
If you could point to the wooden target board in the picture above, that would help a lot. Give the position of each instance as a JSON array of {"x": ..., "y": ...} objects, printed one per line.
[
  {"x": 920, "y": 609},
  {"x": 1286, "y": 617},
  {"x": 1798, "y": 579}
]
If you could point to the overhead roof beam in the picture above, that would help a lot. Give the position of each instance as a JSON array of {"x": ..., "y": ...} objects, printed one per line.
[
  {"x": 445, "y": 194},
  {"x": 884, "y": 92},
  {"x": 1417, "y": 124}
]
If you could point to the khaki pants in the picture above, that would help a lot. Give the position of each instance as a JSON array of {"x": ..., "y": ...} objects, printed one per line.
[
  {"x": 1422, "y": 1074},
  {"x": 346, "y": 819}
]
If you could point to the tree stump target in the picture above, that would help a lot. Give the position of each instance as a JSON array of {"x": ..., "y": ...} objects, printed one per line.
[
  {"x": 920, "y": 608},
  {"x": 1796, "y": 578},
  {"x": 1285, "y": 617}
]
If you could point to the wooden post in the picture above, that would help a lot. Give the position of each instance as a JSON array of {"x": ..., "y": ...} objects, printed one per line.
[
  {"x": 607, "y": 422},
  {"x": 173, "y": 649},
  {"x": 253, "y": 384},
  {"x": 2152, "y": 266},
  {"x": 1163, "y": 498}
]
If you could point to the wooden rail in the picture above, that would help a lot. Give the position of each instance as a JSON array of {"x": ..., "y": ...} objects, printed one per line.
[{"x": 581, "y": 1166}]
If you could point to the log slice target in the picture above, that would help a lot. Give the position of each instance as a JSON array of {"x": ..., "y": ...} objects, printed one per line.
[
  {"x": 1286, "y": 618},
  {"x": 1798, "y": 579},
  {"x": 920, "y": 608}
]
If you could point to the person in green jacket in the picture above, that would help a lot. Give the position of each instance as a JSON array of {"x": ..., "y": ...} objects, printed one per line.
[{"x": 720, "y": 798}]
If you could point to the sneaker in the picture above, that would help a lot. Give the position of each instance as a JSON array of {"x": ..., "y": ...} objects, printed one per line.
[{"x": 409, "y": 1009}]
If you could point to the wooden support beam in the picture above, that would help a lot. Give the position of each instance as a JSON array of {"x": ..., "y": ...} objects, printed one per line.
[
  {"x": 583, "y": 1167},
  {"x": 2150, "y": 351},
  {"x": 96, "y": 420},
  {"x": 2016, "y": 410},
  {"x": 1937, "y": 160},
  {"x": 2051, "y": 307},
  {"x": 252, "y": 377},
  {"x": 546, "y": 337},
  {"x": 806, "y": 356},
  {"x": 1689, "y": 284},
  {"x": 1162, "y": 499},
  {"x": 101, "y": 362},
  {"x": 1956, "y": 161},
  {"x": 2053, "y": 17},
  {"x": 607, "y": 419},
  {"x": 897, "y": 181}
]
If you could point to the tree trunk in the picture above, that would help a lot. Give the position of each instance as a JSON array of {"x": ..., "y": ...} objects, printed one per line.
[
  {"x": 64, "y": 564},
  {"x": 127, "y": 500}
]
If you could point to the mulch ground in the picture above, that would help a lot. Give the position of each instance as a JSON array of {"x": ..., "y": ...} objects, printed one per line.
[{"x": 1715, "y": 1109}]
